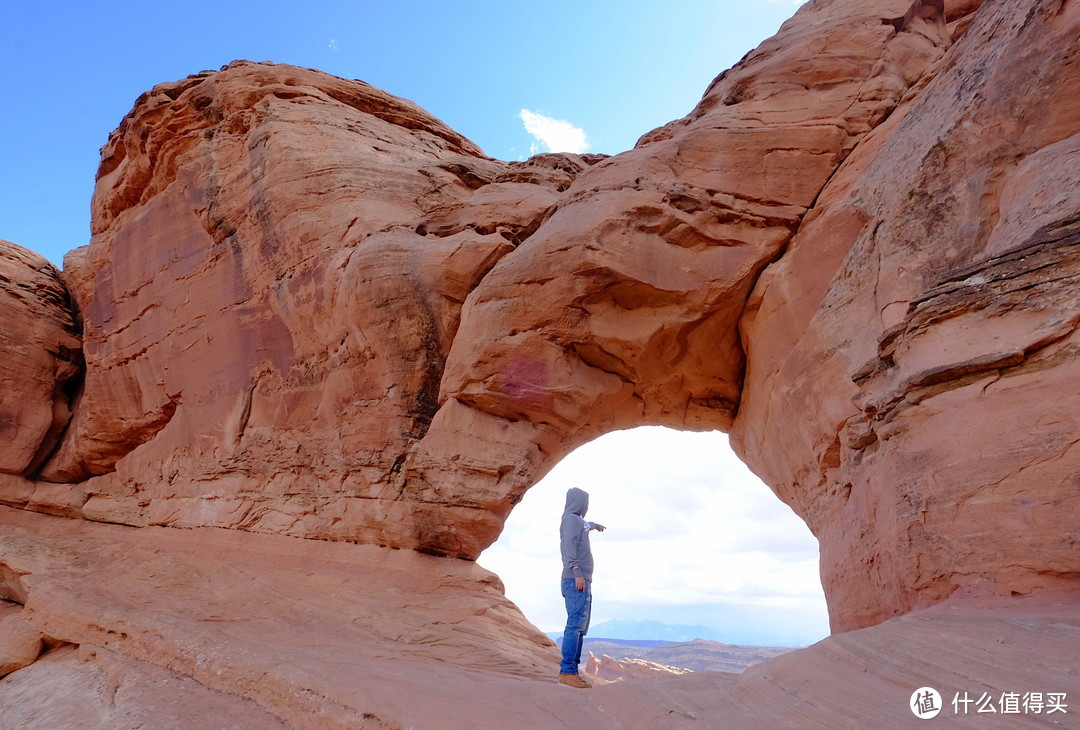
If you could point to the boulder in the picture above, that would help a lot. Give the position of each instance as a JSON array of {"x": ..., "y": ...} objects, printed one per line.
[{"x": 40, "y": 359}]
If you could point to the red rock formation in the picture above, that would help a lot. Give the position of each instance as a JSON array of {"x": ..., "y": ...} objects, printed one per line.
[
  {"x": 39, "y": 359},
  {"x": 265, "y": 351},
  {"x": 225, "y": 626},
  {"x": 316, "y": 634},
  {"x": 911, "y": 364},
  {"x": 291, "y": 351},
  {"x": 616, "y": 670},
  {"x": 310, "y": 309}
]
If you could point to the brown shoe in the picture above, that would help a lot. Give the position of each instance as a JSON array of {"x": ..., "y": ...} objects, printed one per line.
[{"x": 574, "y": 680}]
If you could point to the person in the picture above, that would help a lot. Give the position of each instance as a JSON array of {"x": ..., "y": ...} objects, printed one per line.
[{"x": 577, "y": 575}]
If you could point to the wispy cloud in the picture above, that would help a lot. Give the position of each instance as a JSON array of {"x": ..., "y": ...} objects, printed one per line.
[
  {"x": 333, "y": 46},
  {"x": 553, "y": 135}
]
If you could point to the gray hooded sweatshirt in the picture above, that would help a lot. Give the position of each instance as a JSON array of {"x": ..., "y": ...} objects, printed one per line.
[{"x": 574, "y": 536}]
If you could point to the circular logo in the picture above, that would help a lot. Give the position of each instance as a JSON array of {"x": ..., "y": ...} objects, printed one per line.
[{"x": 925, "y": 703}]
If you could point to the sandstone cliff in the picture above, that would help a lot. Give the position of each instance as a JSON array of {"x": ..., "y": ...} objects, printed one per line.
[{"x": 310, "y": 310}]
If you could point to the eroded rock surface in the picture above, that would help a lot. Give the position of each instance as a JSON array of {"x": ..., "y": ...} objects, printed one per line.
[
  {"x": 912, "y": 374},
  {"x": 289, "y": 625},
  {"x": 313, "y": 311},
  {"x": 277, "y": 272},
  {"x": 250, "y": 631},
  {"x": 40, "y": 359},
  {"x": 344, "y": 322}
]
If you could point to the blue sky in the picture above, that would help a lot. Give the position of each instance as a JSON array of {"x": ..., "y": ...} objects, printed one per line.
[
  {"x": 610, "y": 71},
  {"x": 613, "y": 69}
]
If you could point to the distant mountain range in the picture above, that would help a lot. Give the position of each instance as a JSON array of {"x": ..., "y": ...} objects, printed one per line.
[
  {"x": 655, "y": 630},
  {"x": 655, "y": 633}
]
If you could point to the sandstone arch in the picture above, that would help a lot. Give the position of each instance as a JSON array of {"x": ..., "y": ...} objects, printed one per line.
[{"x": 310, "y": 309}]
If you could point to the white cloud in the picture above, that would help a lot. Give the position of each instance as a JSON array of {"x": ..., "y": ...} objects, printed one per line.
[
  {"x": 553, "y": 135},
  {"x": 693, "y": 537},
  {"x": 333, "y": 45}
]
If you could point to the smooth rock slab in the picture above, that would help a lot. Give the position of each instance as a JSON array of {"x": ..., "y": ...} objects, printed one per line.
[{"x": 259, "y": 629}]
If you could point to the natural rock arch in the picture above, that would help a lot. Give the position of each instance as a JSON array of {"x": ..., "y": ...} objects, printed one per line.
[{"x": 309, "y": 308}]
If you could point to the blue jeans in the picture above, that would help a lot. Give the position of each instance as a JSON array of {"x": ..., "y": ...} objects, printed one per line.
[{"x": 578, "y": 613}]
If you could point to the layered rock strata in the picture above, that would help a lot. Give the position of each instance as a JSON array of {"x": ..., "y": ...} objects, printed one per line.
[{"x": 912, "y": 359}]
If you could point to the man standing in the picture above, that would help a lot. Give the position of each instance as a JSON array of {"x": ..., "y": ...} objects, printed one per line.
[{"x": 576, "y": 583}]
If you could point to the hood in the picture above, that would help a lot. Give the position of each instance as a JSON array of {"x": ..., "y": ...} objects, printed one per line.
[{"x": 576, "y": 500}]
